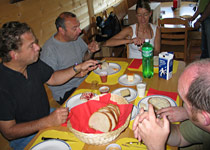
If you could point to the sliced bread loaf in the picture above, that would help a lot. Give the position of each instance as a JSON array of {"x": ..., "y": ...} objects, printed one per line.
[
  {"x": 100, "y": 121},
  {"x": 111, "y": 111}
]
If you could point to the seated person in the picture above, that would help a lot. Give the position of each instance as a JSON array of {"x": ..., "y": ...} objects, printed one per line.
[
  {"x": 135, "y": 34},
  {"x": 65, "y": 49},
  {"x": 24, "y": 108},
  {"x": 193, "y": 88}
]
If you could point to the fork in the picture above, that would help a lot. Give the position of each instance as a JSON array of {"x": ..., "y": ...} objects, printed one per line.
[
  {"x": 101, "y": 61},
  {"x": 48, "y": 138}
]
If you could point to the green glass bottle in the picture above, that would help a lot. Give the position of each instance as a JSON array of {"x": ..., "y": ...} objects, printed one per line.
[{"x": 147, "y": 62}]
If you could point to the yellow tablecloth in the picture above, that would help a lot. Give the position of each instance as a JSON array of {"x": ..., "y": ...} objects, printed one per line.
[
  {"x": 112, "y": 79},
  {"x": 156, "y": 70},
  {"x": 132, "y": 144},
  {"x": 61, "y": 135}
]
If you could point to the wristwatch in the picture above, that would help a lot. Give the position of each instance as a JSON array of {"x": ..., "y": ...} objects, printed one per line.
[{"x": 74, "y": 68}]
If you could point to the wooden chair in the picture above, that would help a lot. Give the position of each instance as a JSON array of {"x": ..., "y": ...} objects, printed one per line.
[
  {"x": 194, "y": 45},
  {"x": 89, "y": 33},
  {"x": 174, "y": 34}
]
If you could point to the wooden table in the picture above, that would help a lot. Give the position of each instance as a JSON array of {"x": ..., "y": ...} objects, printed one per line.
[
  {"x": 164, "y": 10},
  {"x": 155, "y": 82},
  {"x": 186, "y": 8}
]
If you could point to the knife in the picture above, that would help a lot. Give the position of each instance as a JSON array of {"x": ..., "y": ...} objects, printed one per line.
[
  {"x": 99, "y": 63},
  {"x": 48, "y": 138}
]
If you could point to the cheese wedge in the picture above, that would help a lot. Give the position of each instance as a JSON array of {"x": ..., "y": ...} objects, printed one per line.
[{"x": 130, "y": 77}]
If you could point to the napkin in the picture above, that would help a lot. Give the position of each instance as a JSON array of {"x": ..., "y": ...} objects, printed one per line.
[
  {"x": 79, "y": 115},
  {"x": 172, "y": 95},
  {"x": 135, "y": 64}
]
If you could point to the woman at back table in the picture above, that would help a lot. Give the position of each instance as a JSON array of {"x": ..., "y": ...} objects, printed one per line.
[{"x": 135, "y": 34}]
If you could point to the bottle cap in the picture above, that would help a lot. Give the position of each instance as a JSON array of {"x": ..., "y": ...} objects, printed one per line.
[{"x": 146, "y": 40}]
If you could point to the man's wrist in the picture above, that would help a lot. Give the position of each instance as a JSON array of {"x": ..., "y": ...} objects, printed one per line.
[{"x": 76, "y": 68}]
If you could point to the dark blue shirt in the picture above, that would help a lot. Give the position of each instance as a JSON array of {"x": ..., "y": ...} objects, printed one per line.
[{"x": 24, "y": 99}]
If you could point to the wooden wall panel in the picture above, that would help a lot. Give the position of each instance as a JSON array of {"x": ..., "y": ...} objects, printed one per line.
[
  {"x": 101, "y": 5},
  {"x": 41, "y": 14}
]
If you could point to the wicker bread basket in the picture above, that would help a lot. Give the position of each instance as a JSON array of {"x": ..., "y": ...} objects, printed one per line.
[{"x": 103, "y": 138}]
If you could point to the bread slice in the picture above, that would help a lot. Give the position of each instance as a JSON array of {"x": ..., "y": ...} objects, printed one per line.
[
  {"x": 159, "y": 102},
  {"x": 115, "y": 108},
  {"x": 100, "y": 121},
  {"x": 125, "y": 92},
  {"x": 104, "y": 65},
  {"x": 108, "y": 110},
  {"x": 113, "y": 120},
  {"x": 112, "y": 115}
]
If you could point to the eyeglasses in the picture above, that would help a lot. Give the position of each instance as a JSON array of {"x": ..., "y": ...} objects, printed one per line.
[{"x": 143, "y": 15}]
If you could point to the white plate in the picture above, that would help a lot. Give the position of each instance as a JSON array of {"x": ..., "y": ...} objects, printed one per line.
[
  {"x": 74, "y": 101},
  {"x": 133, "y": 93},
  {"x": 124, "y": 81},
  {"x": 145, "y": 101},
  {"x": 53, "y": 144},
  {"x": 110, "y": 69},
  {"x": 135, "y": 112}
]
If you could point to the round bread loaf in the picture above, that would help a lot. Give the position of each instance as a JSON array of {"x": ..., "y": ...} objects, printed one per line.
[{"x": 159, "y": 102}]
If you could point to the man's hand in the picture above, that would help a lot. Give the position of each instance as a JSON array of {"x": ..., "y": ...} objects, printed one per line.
[
  {"x": 197, "y": 24},
  {"x": 174, "y": 114},
  {"x": 58, "y": 117},
  {"x": 153, "y": 131},
  {"x": 139, "y": 118},
  {"x": 93, "y": 47},
  {"x": 87, "y": 65}
]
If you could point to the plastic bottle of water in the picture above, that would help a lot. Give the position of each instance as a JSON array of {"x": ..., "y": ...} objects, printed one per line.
[{"x": 147, "y": 62}]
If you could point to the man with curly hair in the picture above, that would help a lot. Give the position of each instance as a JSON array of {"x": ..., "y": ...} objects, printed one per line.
[{"x": 24, "y": 108}]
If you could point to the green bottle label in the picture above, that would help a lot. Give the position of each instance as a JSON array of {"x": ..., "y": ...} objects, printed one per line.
[{"x": 147, "y": 53}]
